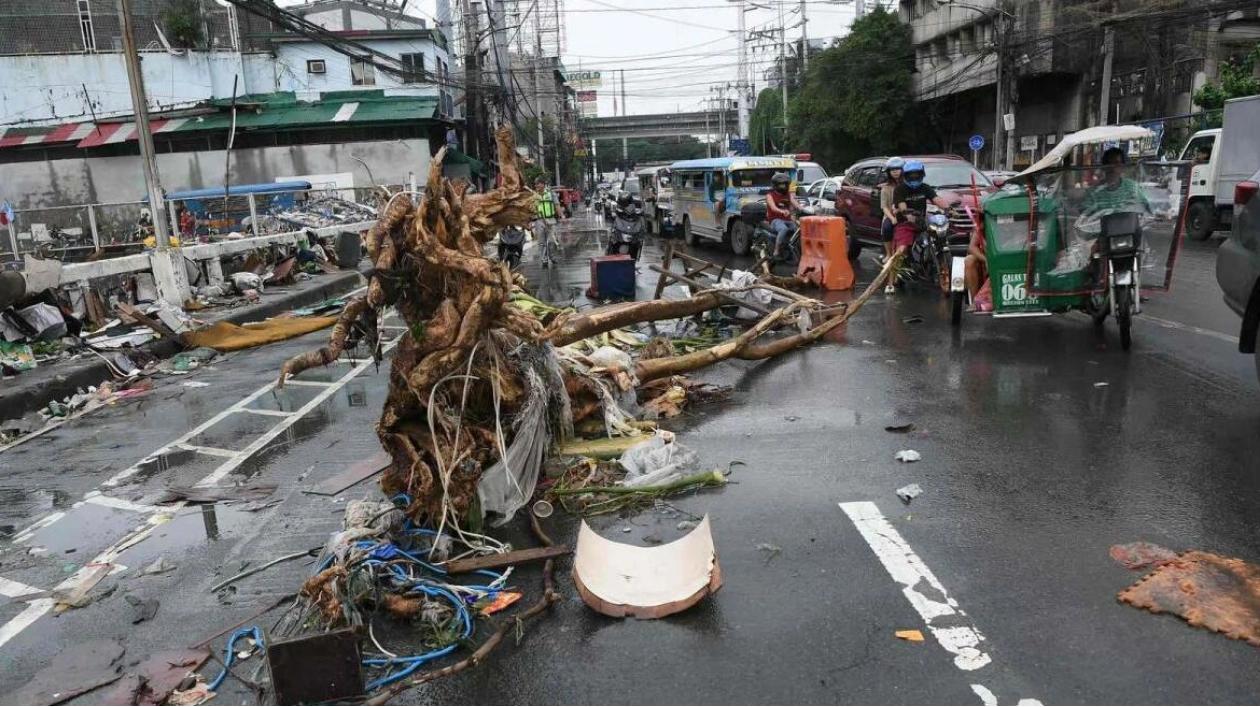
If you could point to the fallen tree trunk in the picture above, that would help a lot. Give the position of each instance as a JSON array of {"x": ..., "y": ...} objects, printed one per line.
[{"x": 598, "y": 321}]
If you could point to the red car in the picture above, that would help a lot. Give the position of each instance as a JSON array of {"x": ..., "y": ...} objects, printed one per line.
[{"x": 858, "y": 199}]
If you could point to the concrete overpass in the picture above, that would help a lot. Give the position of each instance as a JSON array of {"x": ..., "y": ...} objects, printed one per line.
[{"x": 661, "y": 125}]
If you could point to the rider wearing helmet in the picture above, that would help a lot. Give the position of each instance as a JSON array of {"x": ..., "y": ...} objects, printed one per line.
[
  {"x": 912, "y": 197},
  {"x": 892, "y": 177},
  {"x": 780, "y": 207}
]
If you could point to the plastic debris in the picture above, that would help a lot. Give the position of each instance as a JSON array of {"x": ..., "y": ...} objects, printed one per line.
[
  {"x": 912, "y": 319},
  {"x": 1135, "y": 556},
  {"x": 907, "y": 456},
  {"x": 772, "y": 551},
  {"x": 900, "y": 429},
  {"x": 621, "y": 580},
  {"x": 913, "y": 635},
  {"x": 908, "y": 493},
  {"x": 158, "y": 566},
  {"x": 686, "y": 525},
  {"x": 502, "y": 601},
  {"x": 1101, "y": 384},
  {"x": 657, "y": 460}
]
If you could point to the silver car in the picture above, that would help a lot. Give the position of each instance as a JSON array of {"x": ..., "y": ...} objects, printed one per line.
[{"x": 1238, "y": 266}]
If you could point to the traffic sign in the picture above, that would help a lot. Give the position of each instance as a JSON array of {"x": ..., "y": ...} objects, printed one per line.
[
  {"x": 740, "y": 146},
  {"x": 976, "y": 142}
]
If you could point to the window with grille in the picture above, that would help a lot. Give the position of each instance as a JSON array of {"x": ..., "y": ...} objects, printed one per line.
[{"x": 413, "y": 68}]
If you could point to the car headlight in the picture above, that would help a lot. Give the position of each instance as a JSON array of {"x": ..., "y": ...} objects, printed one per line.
[{"x": 1122, "y": 242}]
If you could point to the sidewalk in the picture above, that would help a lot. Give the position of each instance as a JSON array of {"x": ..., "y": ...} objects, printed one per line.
[{"x": 33, "y": 390}]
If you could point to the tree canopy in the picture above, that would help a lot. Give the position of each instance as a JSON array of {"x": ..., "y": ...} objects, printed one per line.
[
  {"x": 856, "y": 95},
  {"x": 1237, "y": 79}
]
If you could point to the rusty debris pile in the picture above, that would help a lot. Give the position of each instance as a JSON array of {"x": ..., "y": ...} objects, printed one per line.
[{"x": 487, "y": 387}]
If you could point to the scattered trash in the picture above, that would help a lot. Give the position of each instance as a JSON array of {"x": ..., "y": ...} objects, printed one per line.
[
  {"x": 196, "y": 384},
  {"x": 900, "y": 429},
  {"x": 499, "y": 603},
  {"x": 913, "y": 635},
  {"x": 622, "y": 580},
  {"x": 627, "y": 529},
  {"x": 772, "y": 551},
  {"x": 359, "y": 471},
  {"x": 194, "y": 358},
  {"x": 77, "y": 668},
  {"x": 1101, "y": 384},
  {"x": 260, "y": 568},
  {"x": 141, "y": 609},
  {"x": 908, "y": 493},
  {"x": 543, "y": 509},
  {"x": 505, "y": 559},
  {"x": 657, "y": 460},
  {"x": 907, "y": 456},
  {"x": 1207, "y": 590},
  {"x": 686, "y": 525},
  {"x": 243, "y": 281},
  {"x": 76, "y": 597},
  {"x": 912, "y": 319},
  {"x": 198, "y": 694},
  {"x": 16, "y": 357},
  {"x": 1137, "y": 555},
  {"x": 158, "y": 566},
  {"x": 226, "y": 336},
  {"x": 197, "y": 494},
  {"x": 791, "y": 418}
]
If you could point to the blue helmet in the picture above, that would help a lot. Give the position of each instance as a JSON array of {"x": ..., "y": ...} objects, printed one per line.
[
  {"x": 913, "y": 173},
  {"x": 894, "y": 163}
]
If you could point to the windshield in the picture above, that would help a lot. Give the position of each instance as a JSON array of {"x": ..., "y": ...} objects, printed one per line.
[
  {"x": 953, "y": 174},
  {"x": 632, "y": 186},
  {"x": 752, "y": 178},
  {"x": 809, "y": 173}
]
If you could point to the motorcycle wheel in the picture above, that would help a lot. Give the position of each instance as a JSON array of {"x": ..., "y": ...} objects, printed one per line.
[
  {"x": 689, "y": 237},
  {"x": 741, "y": 238},
  {"x": 956, "y": 307},
  {"x": 1124, "y": 316},
  {"x": 513, "y": 260}
]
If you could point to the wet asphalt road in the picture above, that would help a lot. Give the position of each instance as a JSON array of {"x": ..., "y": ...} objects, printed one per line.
[{"x": 1031, "y": 470}]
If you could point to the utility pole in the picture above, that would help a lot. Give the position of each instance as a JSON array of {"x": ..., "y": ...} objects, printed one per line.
[
  {"x": 172, "y": 281},
  {"x": 538, "y": 114},
  {"x": 623, "y": 91},
  {"x": 1109, "y": 52},
  {"x": 744, "y": 90},
  {"x": 804, "y": 39},
  {"x": 472, "y": 116},
  {"x": 783, "y": 61}
]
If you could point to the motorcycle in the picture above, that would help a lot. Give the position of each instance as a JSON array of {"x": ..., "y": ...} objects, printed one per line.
[
  {"x": 627, "y": 231},
  {"x": 511, "y": 246},
  {"x": 764, "y": 238}
]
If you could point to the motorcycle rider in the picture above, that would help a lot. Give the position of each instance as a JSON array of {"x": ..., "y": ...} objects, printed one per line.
[
  {"x": 912, "y": 197},
  {"x": 892, "y": 177},
  {"x": 545, "y": 222},
  {"x": 781, "y": 205},
  {"x": 628, "y": 216}
]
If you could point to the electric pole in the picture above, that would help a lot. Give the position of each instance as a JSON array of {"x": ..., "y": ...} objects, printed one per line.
[
  {"x": 804, "y": 39},
  {"x": 783, "y": 61},
  {"x": 744, "y": 90},
  {"x": 172, "y": 282},
  {"x": 1109, "y": 52}
]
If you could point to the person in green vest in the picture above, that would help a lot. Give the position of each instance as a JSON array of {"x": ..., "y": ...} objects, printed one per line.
[{"x": 545, "y": 223}]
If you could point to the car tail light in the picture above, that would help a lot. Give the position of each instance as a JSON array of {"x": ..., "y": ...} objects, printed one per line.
[{"x": 1244, "y": 191}]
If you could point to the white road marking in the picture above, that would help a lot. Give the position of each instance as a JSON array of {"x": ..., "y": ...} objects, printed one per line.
[
  {"x": 10, "y": 588},
  {"x": 36, "y": 609},
  {"x": 97, "y": 498},
  {"x": 313, "y": 384},
  {"x": 948, "y": 623},
  {"x": 1169, "y": 324},
  {"x": 209, "y": 451},
  {"x": 989, "y": 700}
]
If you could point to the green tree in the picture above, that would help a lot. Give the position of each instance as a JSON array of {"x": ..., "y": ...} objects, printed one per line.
[
  {"x": 644, "y": 150},
  {"x": 183, "y": 22},
  {"x": 1237, "y": 79},
  {"x": 765, "y": 123},
  {"x": 857, "y": 94}
]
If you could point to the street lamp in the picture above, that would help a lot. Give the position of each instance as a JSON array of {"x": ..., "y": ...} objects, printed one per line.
[{"x": 1004, "y": 101}]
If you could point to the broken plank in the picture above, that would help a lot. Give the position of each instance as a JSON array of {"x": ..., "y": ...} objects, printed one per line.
[
  {"x": 604, "y": 448},
  {"x": 145, "y": 319},
  {"x": 505, "y": 559},
  {"x": 357, "y": 472}
]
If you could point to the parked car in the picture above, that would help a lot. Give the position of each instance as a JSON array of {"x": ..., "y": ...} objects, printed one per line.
[
  {"x": 858, "y": 198},
  {"x": 1238, "y": 266},
  {"x": 822, "y": 195}
]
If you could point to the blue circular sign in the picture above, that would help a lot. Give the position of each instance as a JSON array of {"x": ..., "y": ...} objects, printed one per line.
[{"x": 976, "y": 142}]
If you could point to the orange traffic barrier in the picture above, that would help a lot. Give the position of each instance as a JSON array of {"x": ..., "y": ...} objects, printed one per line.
[{"x": 825, "y": 253}]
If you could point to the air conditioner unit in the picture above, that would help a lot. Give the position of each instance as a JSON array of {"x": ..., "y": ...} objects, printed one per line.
[{"x": 316, "y": 66}]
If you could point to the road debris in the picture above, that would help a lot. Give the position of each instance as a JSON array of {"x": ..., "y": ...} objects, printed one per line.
[
  {"x": 913, "y": 635},
  {"x": 255, "y": 570},
  {"x": 1221, "y": 594},
  {"x": 154, "y": 679},
  {"x": 213, "y": 494},
  {"x": 900, "y": 429},
  {"x": 686, "y": 525},
  {"x": 198, "y": 693},
  {"x": 158, "y": 566},
  {"x": 1101, "y": 384},
  {"x": 907, "y": 456},
  {"x": 909, "y": 493},
  {"x": 622, "y": 580},
  {"x": 772, "y": 551},
  {"x": 1137, "y": 555},
  {"x": 80, "y": 667},
  {"x": 355, "y": 473},
  {"x": 316, "y": 669},
  {"x": 912, "y": 319},
  {"x": 141, "y": 609}
]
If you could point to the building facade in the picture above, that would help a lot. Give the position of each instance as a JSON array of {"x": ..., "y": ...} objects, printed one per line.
[
  {"x": 1050, "y": 57},
  {"x": 66, "y": 134}
]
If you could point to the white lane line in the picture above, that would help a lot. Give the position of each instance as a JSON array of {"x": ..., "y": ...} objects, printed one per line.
[
  {"x": 209, "y": 451},
  {"x": 1169, "y": 324},
  {"x": 260, "y": 411},
  {"x": 10, "y": 588},
  {"x": 38, "y": 525},
  {"x": 97, "y": 498},
  {"x": 313, "y": 384},
  {"x": 987, "y": 698},
  {"x": 22, "y": 621},
  {"x": 947, "y": 622}
]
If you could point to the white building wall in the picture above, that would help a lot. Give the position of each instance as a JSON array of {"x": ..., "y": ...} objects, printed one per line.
[
  {"x": 61, "y": 88},
  {"x": 33, "y": 185}
]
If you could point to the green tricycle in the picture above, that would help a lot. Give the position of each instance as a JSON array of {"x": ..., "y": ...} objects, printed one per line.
[{"x": 1078, "y": 230}]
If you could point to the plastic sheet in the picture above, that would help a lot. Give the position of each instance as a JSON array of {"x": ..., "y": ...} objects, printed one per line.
[
  {"x": 657, "y": 460},
  {"x": 740, "y": 279}
]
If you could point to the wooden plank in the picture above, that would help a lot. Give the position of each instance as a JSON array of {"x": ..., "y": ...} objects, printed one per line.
[
  {"x": 355, "y": 473},
  {"x": 754, "y": 306},
  {"x": 506, "y": 559},
  {"x": 145, "y": 319},
  {"x": 666, "y": 262}
]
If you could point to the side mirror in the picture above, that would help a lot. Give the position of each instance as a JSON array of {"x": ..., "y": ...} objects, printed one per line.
[
  {"x": 999, "y": 182},
  {"x": 830, "y": 195}
]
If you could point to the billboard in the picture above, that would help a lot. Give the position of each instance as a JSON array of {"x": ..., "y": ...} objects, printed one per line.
[
  {"x": 588, "y": 104},
  {"x": 585, "y": 79}
]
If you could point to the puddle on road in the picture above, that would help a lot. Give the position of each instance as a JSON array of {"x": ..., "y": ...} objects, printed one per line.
[
  {"x": 28, "y": 503},
  {"x": 84, "y": 532}
]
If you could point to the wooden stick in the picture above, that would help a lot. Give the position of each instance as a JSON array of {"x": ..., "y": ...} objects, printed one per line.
[
  {"x": 665, "y": 263},
  {"x": 754, "y": 306},
  {"x": 505, "y": 559}
]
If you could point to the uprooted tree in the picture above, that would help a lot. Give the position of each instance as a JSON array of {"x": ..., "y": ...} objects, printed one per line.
[{"x": 458, "y": 378}]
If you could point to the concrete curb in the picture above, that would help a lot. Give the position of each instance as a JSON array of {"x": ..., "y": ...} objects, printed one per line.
[{"x": 33, "y": 390}]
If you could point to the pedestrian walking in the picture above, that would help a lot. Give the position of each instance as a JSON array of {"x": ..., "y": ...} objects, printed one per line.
[
  {"x": 892, "y": 178},
  {"x": 545, "y": 224}
]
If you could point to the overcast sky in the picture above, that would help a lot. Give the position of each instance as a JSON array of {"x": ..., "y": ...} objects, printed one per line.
[{"x": 673, "y": 51}]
